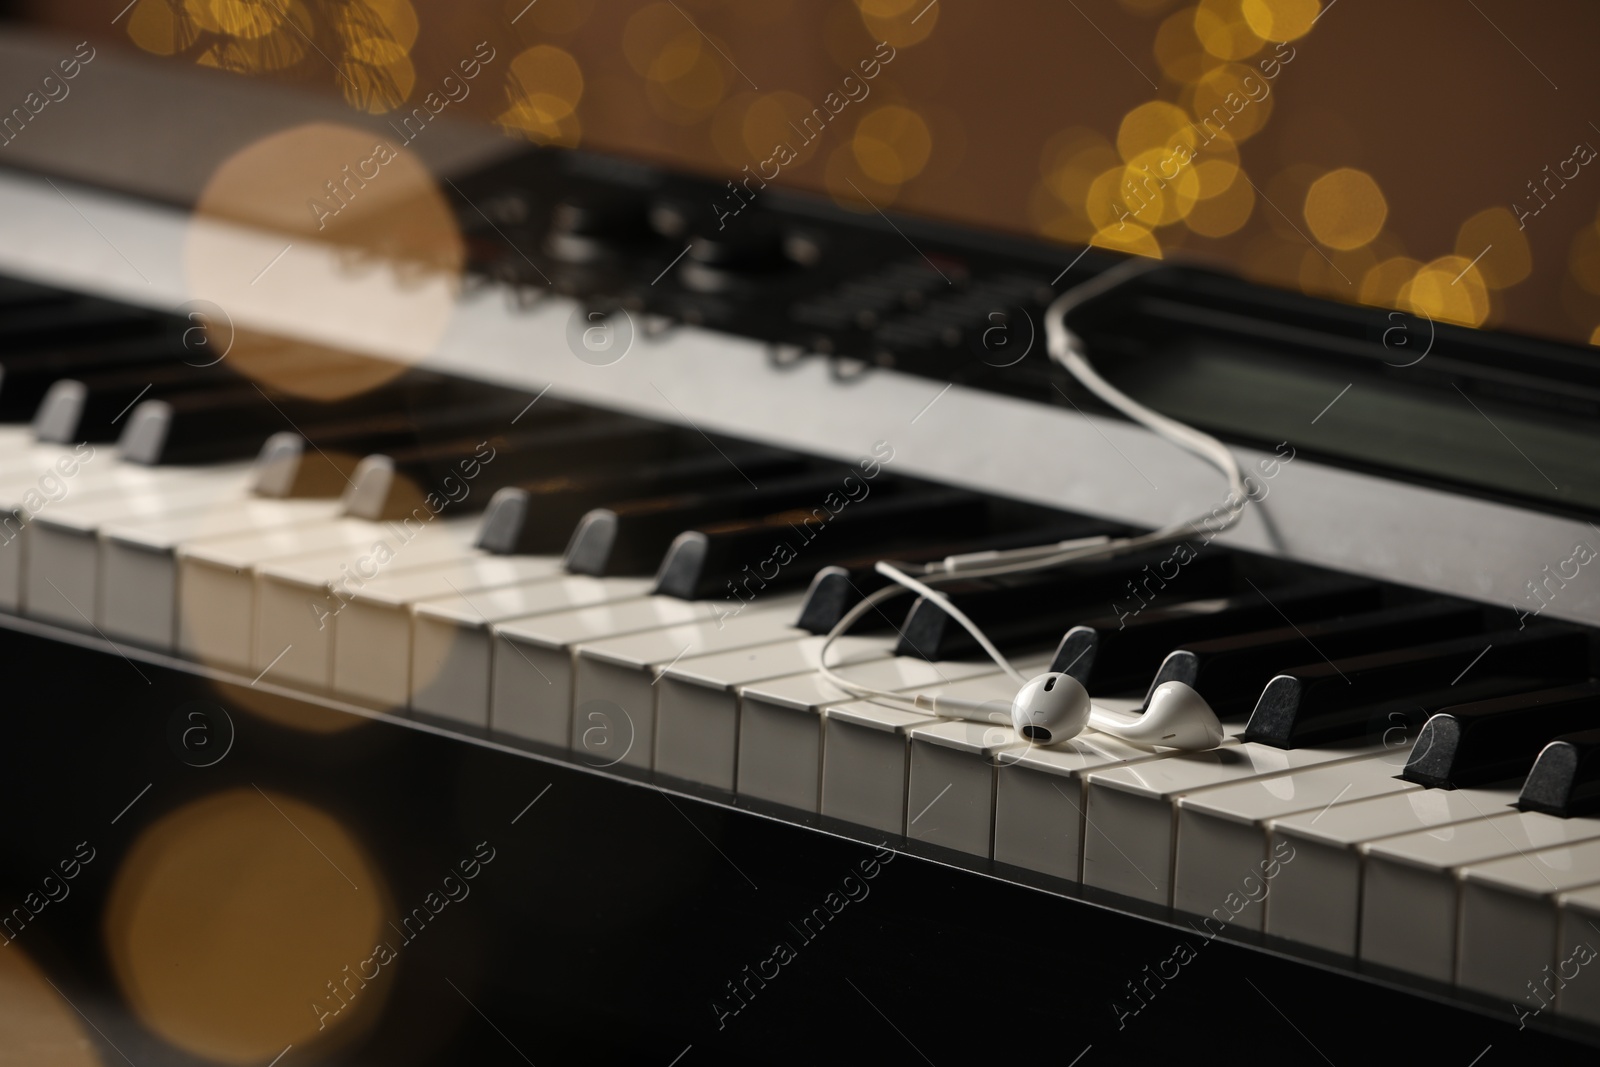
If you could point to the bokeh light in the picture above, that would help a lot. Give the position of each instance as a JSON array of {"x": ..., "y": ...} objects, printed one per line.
[
  {"x": 1281, "y": 20},
  {"x": 229, "y": 917},
  {"x": 1493, "y": 235},
  {"x": 892, "y": 144},
  {"x": 1345, "y": 209}
]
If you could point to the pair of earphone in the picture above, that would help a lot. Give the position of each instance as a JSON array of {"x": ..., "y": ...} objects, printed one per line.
[{"x": 1054, "y": 707}]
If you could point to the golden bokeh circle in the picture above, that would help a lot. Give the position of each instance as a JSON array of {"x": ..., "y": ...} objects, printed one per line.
[
  {"x": 1448, "y": 289},
  {"x": 1281, "y": 20},
  {"x": 1493, "y": 235},
  {"x": 1222, "y": 29},
  {"x": 892, "y": 144},
  {"x": 229, "y": 917},
  {"x": 1155, "y": 124},
  {"x": 338, "y": 235},
  {"x": 1345, "y": 209}
]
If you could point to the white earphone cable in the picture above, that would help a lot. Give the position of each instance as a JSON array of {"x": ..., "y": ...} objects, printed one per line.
[{"x": 1065, "y": 348}]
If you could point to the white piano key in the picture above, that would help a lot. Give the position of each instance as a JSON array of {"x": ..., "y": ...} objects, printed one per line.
[
  {"x": 1039, "y": 798},
  {"x": 535, "y": 676},
  {"x": 139, "y": 564},
  {"x": 951, "y": 783},
  {"x": 1578, "y": 995},
  {"x": 217, "y": 582},
  {"x": 452, "y": 643},
  {"x": 372, "y": 624},
  {"x": 697, "y": 703},
  {"x": 297, "y": 600},
  {"x": 1509, "y": 917},
  {"x": 1130, "y": 812},
  {"x": 1316, "y": 900},
  {"x": 866, "y": 760},
  {"x": 1410, "y": 890},
  {"x": 1223, "y": 861},
  {"x": 102, "y": 476},
  {"x": 62, "y": 549},
  {"x": 781, "y": 728},
  {"x": 618, "y": 676}
]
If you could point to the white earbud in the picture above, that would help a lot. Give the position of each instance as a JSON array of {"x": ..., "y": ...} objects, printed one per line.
[
  {"x": 1176, "y": 717},
  {"x": 1050, "y": 708}
]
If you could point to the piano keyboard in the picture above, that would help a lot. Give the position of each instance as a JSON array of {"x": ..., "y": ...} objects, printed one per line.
[{"x": 1408, "y": 782}]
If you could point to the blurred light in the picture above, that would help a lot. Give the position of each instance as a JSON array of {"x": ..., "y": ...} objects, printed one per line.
[
  {"x": 369, "y": 252},
  {"x": 659, "y": 43},
  {"x": 1157, "y": 190},
  {"x": 892, "y": 144},
  {"x": 244, "y": 18},
  {"x": 1103, "y": 203},
  {"x": 378, "y": 86},
  {"x": 779, "y": 118},
  {"x": 1281, "y": 20},
  {"x": 1383, "y": 283},
  {"x": 1131, "y": 238},
  {"x": 229, "y": 917},
  {"x": 1154, "y": 124},
  {"x": 548, "y": 78},
  {"x": 901, "y": 23},
  {"x": 1222, "y": 30},
  {"x": 1494, "y": 235},
  {"x": 1178, "y": 51},
  {"x": 1584, "y": 259},
  {"x": 40, "y": 1025},
  {"x": 1345, "y": 208},
  {"x": 693, "y": 95},
  {"x": 1449, "y": 289},
  {"x": 159, "y": 28},
  {"x": 392, "y": 22},
  {"x": 1223, "y": 214},
  {"x": 1223, "y": 101}
]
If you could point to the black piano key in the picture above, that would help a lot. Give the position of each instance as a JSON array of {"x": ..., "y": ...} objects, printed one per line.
[
  {"x": 538, "y": 518},
  {"x": 1032, "y": 610},
  {"x": 743, "y": 559},
  {"x": 1329, "y": 701},
  {"x": 631, "y": 537},
  {"x": 291, "y": 466},
  {"x": 837, "y": 587},
  {"x": 1230, "y": 672},
  {"x": 1492, "y": 740},
  {"x": 25, "y": 378},
  {"x": 1110, "y": 654},
  {"x": 468, "y": 471},
  {"x": 1565, "y": 778},
  {"x": 91, "y": 407},
  {"x": 231, "y": 422},
  {"x": 76, "y": 322}
]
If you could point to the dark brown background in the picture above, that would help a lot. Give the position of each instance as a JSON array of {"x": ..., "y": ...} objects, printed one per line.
[{"x": 1452, "y": 107}]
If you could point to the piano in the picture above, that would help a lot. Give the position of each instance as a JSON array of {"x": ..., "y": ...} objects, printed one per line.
[{"x": 450, "y": 692}]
